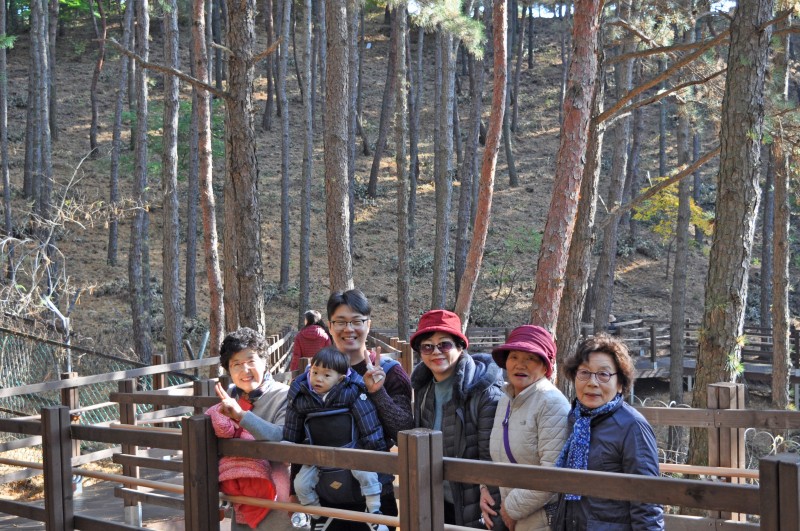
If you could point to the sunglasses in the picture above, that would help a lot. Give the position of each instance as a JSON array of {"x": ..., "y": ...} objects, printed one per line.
[{"x": 444, "y": 347}]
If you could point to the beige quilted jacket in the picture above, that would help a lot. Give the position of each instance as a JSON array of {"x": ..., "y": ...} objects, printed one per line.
[{"x": 537, "y": 430}]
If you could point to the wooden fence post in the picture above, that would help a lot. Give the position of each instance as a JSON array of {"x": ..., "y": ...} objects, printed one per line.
[
  {"x": 160, "y": 379},
  {"x": 57, "y": 456},
  {"x": 726, "y": 446},
  {"x": 420, "y": 453},
  {"x": 779, "y": 482},
  {"x": 200, "y": 474},
  {"x": 127, "y": 415},
  {"x": 407, "y": 357},
  {"x": 203, "y": 388},
  {"x": 653, "y": 346}
]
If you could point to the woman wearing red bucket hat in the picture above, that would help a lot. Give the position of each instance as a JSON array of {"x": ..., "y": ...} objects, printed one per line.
[
  {"x": 450, "y": 384},
  {"x": 530, "y": 425}
]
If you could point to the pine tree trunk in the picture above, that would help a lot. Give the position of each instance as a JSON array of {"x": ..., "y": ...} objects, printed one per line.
[
  {"x": 337, "y": 212},
  {"x": 192, "y": 200},
  {"x": 468, "y": 171},
  {"x": 286, "y": 28},
  {"x": 781, "y": 350},
  {"x": 401, "y": 140},
  {"x": 266, "y": 118},
  {"x": 443, "y": 162},
  {"x": 116, "y": 142},
  {"x": 354, "y": 57},
  {"x": 216, "y": 318},
  {"x": 767, "y": 225},
  {"x": 173, "y": 316},
  {"x": 98, "y": 68},
  {"x": 604, "y": 276},
  {"x": 678, "y": 295},
  {"x": 469, "y": 280},
  {"x": 663, "y": 109},
  {"x": 138, "y": 261},
  {"x": 53, "y": 6},
  {"x": 530, "y": 36},
  {"x": 216, "y": 28},
  {"x": 736, "y": 208},
  {"x": 517, "y": 72},
  {"x": 414, "y": 115},
  {"x": 386, "y": 112},
  {"x": 780, "y": 164},
  {"x": 577, "y": 277},
  {"x": 570, "y": 164},
  {"x": 244, "y": 291},
  {"x": 359, "y": 99},
  {"x": 305, "y": 23},
  {"x": 4, "y": 173},
  {"x": 697, "y": 185},
  {"x": 508, "y": 141}
]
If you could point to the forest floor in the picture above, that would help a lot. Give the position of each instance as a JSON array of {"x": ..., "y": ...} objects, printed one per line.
[{"x": 101, "y": 319}]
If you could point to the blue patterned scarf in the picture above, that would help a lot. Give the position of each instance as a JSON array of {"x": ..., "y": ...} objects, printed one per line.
[{"x": 575, "y": 453}]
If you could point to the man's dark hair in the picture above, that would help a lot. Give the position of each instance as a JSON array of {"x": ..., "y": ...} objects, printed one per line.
[
  {"x": 331, "y": 358},
  {"x": 243, "y": 338},
  {"x": 353, "y": 298},
  {"x": 312, "y": 317}
]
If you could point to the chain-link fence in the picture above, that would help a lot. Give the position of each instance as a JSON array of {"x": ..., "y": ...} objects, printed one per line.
[{"x": 26, "y": 360}]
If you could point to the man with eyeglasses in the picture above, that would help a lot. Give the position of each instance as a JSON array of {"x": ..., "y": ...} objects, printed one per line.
[{"x": 388, "y": 385}]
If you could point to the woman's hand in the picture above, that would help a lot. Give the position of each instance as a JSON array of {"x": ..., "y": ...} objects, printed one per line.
[
  {"x": 510, "y": 523},
  {"x": 486, "y": 503},
  {"x": 374, "y": 378},
  {"x": 230, "y": 407}
]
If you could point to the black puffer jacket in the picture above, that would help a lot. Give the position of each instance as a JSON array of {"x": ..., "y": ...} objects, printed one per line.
[{"x": 466, "y": 421}]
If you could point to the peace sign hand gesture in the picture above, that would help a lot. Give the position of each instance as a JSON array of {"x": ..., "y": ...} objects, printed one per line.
[{"x": 230, "y": 407}]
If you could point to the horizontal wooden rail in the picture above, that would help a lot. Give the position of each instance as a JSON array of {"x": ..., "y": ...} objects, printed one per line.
[
  {"x": 158, "y": 398},
  {"x": 138, "y": 437},
  {"x": 667, "y": 491},
  {"x": 81, "y": 381},
  {"x": 769, "y": 419},
  {"x": 718, "y": 471}
]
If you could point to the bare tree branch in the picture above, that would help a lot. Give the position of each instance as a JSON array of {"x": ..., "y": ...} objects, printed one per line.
[
  {"x": 167, "y": 70},
  {"x": 653, "y": 190}
]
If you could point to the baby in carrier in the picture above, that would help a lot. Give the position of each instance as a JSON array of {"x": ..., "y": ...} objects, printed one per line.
[{"x": 329, "y": 386}]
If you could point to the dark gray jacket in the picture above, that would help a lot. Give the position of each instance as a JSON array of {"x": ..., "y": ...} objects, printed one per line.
[
  {"x": 466, "y": 420},
  {"x": 622, "y": 441}
]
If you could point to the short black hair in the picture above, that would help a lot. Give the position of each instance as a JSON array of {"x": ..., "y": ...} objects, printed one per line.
[
  {"x": 331, "y": 358},
  {"x": 243, "y": 338},
  {"x": 312, "y": 317},
  {"x": 353, "y": 298}
]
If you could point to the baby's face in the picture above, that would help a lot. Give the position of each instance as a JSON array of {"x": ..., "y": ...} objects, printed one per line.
[{"x": 322, "y": 379}]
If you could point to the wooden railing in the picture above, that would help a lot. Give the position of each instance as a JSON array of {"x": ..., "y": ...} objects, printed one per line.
[{"x": 419, "y": 464}]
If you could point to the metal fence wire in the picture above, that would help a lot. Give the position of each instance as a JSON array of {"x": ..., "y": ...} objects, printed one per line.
[{"x": 26, "y": 360}]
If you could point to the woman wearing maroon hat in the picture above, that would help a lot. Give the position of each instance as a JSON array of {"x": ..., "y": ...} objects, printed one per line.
[
  {"x": 456, "y": 393},
  {"x": 530, "y": 426}
]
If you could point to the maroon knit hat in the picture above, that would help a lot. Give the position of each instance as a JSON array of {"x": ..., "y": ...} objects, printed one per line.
[
  {"x": 528, "y": 338},
  {"x": 439, "y": 321}
]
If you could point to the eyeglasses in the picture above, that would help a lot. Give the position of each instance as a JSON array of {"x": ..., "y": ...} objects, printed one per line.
[
  {"x": 444, "y": 347},
  {"x": 356, "y": 324},
  {"x": 602, "y": 376}
]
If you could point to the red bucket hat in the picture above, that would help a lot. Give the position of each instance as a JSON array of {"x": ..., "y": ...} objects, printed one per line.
[
  {"x": 528, "y": 338},
  {"x": 439, "y": 321}
]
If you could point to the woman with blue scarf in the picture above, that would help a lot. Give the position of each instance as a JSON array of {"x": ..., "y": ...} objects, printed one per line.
[{"x": 608, "y": 435}]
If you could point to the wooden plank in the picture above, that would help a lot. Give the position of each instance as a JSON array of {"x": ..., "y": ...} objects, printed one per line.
[
  {"x": 676, "y": 522},
  {"x": 150, "y": 498},
  {"x": 23, "y": 510},
  {"x": 437, "y": 480},
  {"x": 789, "y": 490},
  {"x": 167, "y": 441},
  {"x": 768, "y": 492},
  {"x": 85, "y": 523},
  {"x": 415, "y": 479},
  {"x": 161, "y": 399},
  {"x": 149, "y": 462},
  {"x": 56, "y": 453},
  {"x": 106, "y": 377},
  {"x": 666, "y": 491},
  {"x": 200, "y": 475},
  {"x": 23, "y": 427},
  {"x": 21, "y": 443},
  {"x": 713, "y": 433},
  {"x": 678, "y": 416}
]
